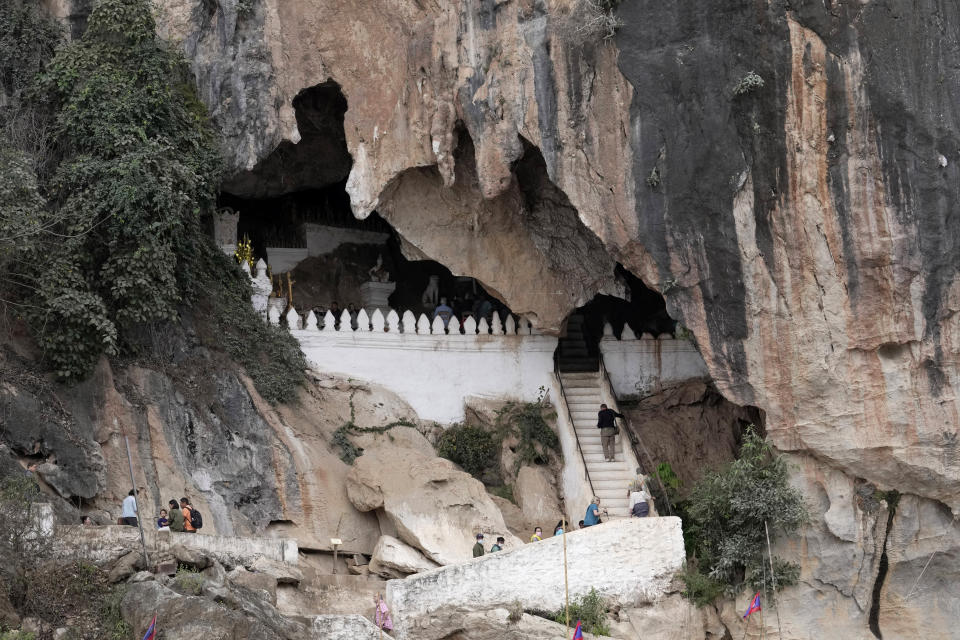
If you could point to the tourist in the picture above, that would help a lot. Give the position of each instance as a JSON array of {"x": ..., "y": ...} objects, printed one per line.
[
  {"x": 163, "y": 521},
  {"x": 86, "y": 521},
  {"x": 187, "y": 516},
  {"x": 639, "y": 504},
  {"x": 558, "y": 530},
  {"x": 128, "y": 510},
  {"x": 482, "y": 309},
  {"x": 581, "y": 525},
  {"x": 499, "y": 545},
  {"x": 478, "y": 547},
  {"x": 443, "y": 310},
  {"x": 353, "y": 311},
  {"x": 537, "y": 535},
  {"x": 593, "y": 513},
  {"x": 176, "y": 517},
  {"x": 382, "y": 614},
  {"x": 608, "y": 430}
]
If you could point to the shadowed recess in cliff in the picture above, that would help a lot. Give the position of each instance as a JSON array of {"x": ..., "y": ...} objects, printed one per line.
[
  {"x": 527, "y": 245},
  {"x": 320, "y": 158}
]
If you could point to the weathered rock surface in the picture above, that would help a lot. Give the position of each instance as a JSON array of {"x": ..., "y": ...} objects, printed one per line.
[
  {"x": 394, "y": 559},
  {"x": 434, "y": 506},
  {"x": 627, "y": 561},
  {"x": 536, "y": 493}
]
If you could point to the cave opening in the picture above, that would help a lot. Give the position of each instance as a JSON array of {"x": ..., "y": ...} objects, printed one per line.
[
  {"x": 643, "y": 310},
  {"x": 294, "y": 210}
]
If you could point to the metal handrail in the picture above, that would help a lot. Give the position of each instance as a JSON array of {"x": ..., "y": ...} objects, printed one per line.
[
  {"x": 632, "y": 433},
  {"x": 566, "y": 405}
]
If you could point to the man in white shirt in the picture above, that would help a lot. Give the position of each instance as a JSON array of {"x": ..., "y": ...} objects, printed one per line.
[{"x": 128, "y": 512}]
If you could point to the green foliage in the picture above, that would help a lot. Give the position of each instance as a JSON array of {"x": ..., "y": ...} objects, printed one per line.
[
  {"x": 526, "y": 421},
  {"x": 120, "y": 241},
  {"x": 590, "y": 610},
  {"x": 667, "y": 477},
  {"x": 349, "y": 452},
  {"x": 188, "y": 581},
  {"x": 27, "y": 41},
  {"x": 700, "y": 589},
  {"x": 727, "y": 511},
  {"x": 23, "y": 546},
  {"x": 505, "y": 492},
  {"x": 472, "y": 447},
  {"x": 17, "y": 635},
  {"x": 111, "y": 617},
  {"x": 749, "y": 83}
]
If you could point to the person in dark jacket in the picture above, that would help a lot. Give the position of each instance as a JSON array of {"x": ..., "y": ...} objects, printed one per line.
[{"x": 608, "y": 431}]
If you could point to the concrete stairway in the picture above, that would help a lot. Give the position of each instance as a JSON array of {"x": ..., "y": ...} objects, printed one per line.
[{"x": 610, "y": 479}]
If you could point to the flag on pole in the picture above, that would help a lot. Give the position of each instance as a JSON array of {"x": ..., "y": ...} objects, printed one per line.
[
  {"x": 754, "y": 605},
  {"x": 152, "y": 629},
  {"x": 577, "y": 633}
]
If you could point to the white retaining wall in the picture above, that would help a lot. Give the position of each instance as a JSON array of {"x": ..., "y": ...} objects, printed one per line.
[
  {"x": 639, "y": 367},
  {"x": 104, "y": 544},
  {"x": 625, "y": 560}
]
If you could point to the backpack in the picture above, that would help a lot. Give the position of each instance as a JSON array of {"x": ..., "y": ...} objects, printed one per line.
[{"x": 196, "y": 520}]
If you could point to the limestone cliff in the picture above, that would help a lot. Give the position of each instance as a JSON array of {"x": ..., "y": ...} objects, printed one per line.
[{"x": 800, "y": 225}]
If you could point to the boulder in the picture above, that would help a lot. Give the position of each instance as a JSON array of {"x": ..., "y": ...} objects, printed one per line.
[
  {"x": 283, "y": 573},
  {"x": 260, "y": 583},
  {"x": 536, "y": 495},
  {"x": 394, "y": 559},
  {"x": 125, "y": 567},
  {"x": 513, "y": 516},
  {"x": 434, "y": 506},
  {"x": 190, "y": 557}
]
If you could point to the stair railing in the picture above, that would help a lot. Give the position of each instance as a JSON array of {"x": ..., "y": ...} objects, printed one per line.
[
  {"x": 573, "y": 426},
  {"x": 634, "y": 437}
]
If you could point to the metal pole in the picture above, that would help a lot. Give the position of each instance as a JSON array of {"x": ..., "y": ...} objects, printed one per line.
[
  {"x": 133, "y": 484},
  {"x": 773, "y": 579},
  {"x": 566, "y": 584}
]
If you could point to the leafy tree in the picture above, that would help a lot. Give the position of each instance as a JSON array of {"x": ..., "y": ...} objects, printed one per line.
[{"x": 727, "y": 512}]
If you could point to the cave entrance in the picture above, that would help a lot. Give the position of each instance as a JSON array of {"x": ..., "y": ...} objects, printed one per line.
[
  {"x": 644, "y": 312},
  {"x": 294, "y": 210}
]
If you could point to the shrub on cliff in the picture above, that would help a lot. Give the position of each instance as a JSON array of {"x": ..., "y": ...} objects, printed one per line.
[
  {"x": 726, "y": 517},
  {"x": 472, "y": 447},
  {"x": 121, "y": 241}
]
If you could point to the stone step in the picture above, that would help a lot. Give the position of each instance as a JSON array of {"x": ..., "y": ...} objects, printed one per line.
[
  {"x": 619, "y": 474},
  {"x": 597, "y": 458},
  {"x": 579, "y": 375},
  {"x": 575, "y": 393}
]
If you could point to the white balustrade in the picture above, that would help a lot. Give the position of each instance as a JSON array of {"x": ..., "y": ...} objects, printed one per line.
[
  {"x": 329, "y": 322},
  {"x": 363, "y": 321},
  {"x": 311, "y": 321},
  {"x": 453, "y": 326},
  {"x": 437, "y": 326},
  {"x": 409, "y": 322},
  {"x": 245, "y": 267},
  {"x": 470, "y": 326},
  {"x": 483, "y": 328},
  {"x": 510, "y": 326},
  {"x": 377, "y": 322},
  {"x": 274, "y": 316},
  {"x": 293, "y": 319},
  {"x": 423, "y": 325},
  {"x": 393, "y": 322},
  {"x": 346, "y": 321},
  {"x": 628, "y": 333},
  {"x": 524, "y": 328},
  {"x": 497, "y": 326},
  {"x": 607, "y": 330}
]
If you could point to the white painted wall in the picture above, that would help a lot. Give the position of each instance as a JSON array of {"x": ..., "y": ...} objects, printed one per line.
[
  {"x": 435, "y": 373},
  {"x": 642, "y": 366},
  {"x": 626, "y": 560},
  {"x": 282, "y": 259}
]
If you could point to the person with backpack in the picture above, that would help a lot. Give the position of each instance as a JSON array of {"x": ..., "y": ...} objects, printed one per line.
[
  {"x": 192, "y": 520},
  {"x": 606, "y": 422},
  {"x": 176, "y": 517}
]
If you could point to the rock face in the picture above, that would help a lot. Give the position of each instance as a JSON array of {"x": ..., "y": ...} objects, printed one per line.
[
  {"x": 394, "y": 559},
  {"x": 536, "y": 497},
  {"x": 434, "y": 506}
]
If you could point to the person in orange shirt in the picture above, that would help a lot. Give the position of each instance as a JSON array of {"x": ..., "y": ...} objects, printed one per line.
[{"x": 187, "y": 526}]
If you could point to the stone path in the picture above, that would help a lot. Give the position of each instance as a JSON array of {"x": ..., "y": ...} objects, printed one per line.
[{"x": 610, "y": 479}]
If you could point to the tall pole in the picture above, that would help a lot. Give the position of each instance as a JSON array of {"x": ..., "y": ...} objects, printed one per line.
[
  {"x": 133, "y": 484},
  {"x": 773, "y": 580},
  {"x": 566, "y": 583}
]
